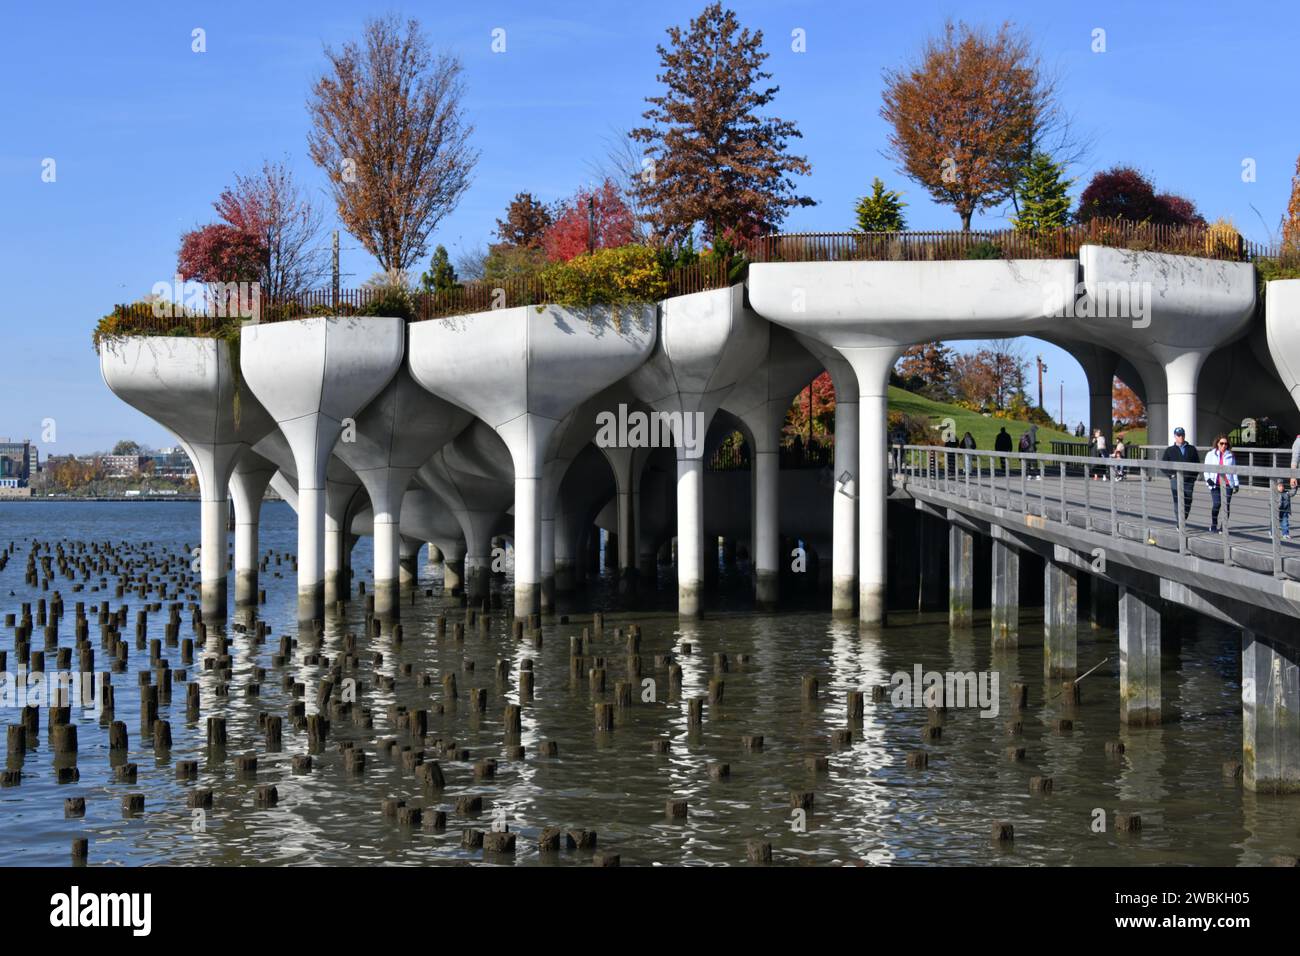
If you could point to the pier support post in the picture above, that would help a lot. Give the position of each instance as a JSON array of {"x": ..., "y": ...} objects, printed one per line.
[
  {"x": 690, "y": 535},
  {"x": 1270, "y": 698},
  {"x": 1139, "y": 658},
  {"x": 247, "y": 488},
  {"x": 1182, "y": 369},
  {"x": 961, "y": 576},
  {"x": 767, "y": 478},
  {"x": 871, "y": 366},
  {"x": 1060, "y": 620},
  {"x": 1006, "y": 594}
]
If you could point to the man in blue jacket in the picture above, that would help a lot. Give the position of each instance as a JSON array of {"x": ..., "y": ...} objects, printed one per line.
[{"x": 1182, "y": 452}]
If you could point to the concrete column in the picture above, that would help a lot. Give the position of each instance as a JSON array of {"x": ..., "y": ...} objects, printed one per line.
[
  {"x": 1060, "y": 620},
  {"x": 690, "y": 535},
  {"x": 1099, "y": 366},
  {"x": 408, "y": 556},
  {"x": 548, "y": 564},
  {"x": 1181, "y": 372},
  {"x": 767, "y": 571},
  {"x": 213, "y": 517},
  {"x": 961, "y": 576},
  {"x": 434, "y": 554},
  {"x": 871, "y": 365},
  {"x": 1139, "y": 658},
  {"x": 528, "y": 546},
  {"x": 386, "y": 489},
  {"x": 335, "y": 503},
  {"x": 247, "y": 488},
  {"x": 453, "y": 564},
  {"x": 1270, "y": 698},
  {"x": 844, "y": 509},
  {"x": 1006, "y": 594}
]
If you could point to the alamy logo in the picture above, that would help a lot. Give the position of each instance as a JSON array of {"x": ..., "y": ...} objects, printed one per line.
[
  {"x": 56, "y": 689},
  {"x": 947, "y": 689},
  {"x": 241, "y": 300},
  {"x": 73, "y": 909},
  {"x": 1108, "y": 300},
  {"x": 637, "y": 429}
]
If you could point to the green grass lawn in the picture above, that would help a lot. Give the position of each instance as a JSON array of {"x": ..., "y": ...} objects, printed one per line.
[{"x": 983, "y": 428}]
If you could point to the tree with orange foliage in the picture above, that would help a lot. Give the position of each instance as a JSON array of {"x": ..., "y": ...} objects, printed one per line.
[
  {"x": 1291, "y": 224},
  {"x": 823, "y": 413},
  {"x": 1126, "y": 408},
  {"x": 968, "y": 115}
]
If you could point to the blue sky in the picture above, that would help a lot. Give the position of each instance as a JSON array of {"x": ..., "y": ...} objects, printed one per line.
[{"x": 145, "y": 133}]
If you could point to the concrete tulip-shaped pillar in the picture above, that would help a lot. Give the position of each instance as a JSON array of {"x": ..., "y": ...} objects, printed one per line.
[
  {"x": 1173, "y": 310},
  {"x": 1099, "y": 365},
  {"x": 248, "y": 485},
  {"x": 522, "y": 371},
  {"x": 396, "y": 434},
  {"x": 426, "y": 516},
  {"x": 472, "y": 477},
  {"x": 312, "y": 374},
  {"x": 844, "y": 496},
  {"x": 761, "y": 401},
  {"x": 1282, "y": 322},
  {"x": 707, "y": 342},
  {"x": 870, "y": 311},
  {"x": 188, "y": 386}
]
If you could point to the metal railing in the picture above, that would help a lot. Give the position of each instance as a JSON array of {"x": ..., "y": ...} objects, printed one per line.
[
  {"x": 1201, "y": 241},
  {"x": 1125, "y": 504}
]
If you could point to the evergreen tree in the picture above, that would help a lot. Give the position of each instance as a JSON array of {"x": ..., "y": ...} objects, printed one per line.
[
  {"x": 716, "y": 161},
  {"x": 882, "y": 211},
  {"x": 441, "y": 277},
  {"x": 1044, "y": 202}
]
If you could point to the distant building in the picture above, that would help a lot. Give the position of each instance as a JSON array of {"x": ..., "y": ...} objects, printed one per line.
[
  {"x": 172, "y": 463},
  {"x": 125, "y": 466},
  {"x": 18, "y": 459}
]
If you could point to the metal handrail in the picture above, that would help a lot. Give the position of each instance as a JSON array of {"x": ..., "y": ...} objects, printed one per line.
[{"x": 921, "y": 464}]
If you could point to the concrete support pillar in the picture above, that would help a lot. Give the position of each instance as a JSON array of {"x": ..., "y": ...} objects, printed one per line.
[
  {"x": 626, "y": 533},
  {"x": 1099, "y": 366},
  {"x": 336, "y": 502},
  {"x": 247, "y": 488},
  {"x": 312, "y": 551},
  {"x": 528, "y": 546},
  {"x": 767, "y": 572},
  {"x": 1060, "y": 620},
  {"x": 844, "y": 509},
  {"x": 548, "y": 564},
  {"x": 386, "y": 489},
  {"x": 1006, "y": 594},
  {"x": 1270, "y": 698},
  {"x": 434, "y": 554},
  {"x": 961, "y": 576},
  {"x": 690, "y": 535},
  {"x": 1139, "y": 658},
  {"x": 871, "y": 366},
  {"x": 1182, "y": 369},
  {"x": 453, "y": 564},
  {"x": 213, "y": 517},
  {"x": 408, "y": 557}
]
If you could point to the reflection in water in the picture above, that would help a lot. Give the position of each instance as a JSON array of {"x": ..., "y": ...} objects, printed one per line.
[{"x": 868, "y": 804}]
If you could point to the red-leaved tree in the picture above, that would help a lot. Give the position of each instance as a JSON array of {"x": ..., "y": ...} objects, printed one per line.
[
  {"x": 592, "y": 219},
  {"x": 220, "y": 252},
  {"x": 1124, "y": 193}
]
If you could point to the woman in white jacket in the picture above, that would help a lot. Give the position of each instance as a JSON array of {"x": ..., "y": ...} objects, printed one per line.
[{"x": 1221, "y": 485}]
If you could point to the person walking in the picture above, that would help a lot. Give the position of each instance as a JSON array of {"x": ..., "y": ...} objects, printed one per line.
[
  {"x": 1118, "y": 455},
  {"x": 1002, "y": 444},
  {"x": 1181, "y": 452},
  {"x": 1098, "y": 450},
  {"x": 1221, "y": 485},
  {"x": 1284, "y": 495}
]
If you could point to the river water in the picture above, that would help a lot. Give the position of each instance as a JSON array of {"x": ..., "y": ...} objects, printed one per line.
[{"x": 869, "y": 806}]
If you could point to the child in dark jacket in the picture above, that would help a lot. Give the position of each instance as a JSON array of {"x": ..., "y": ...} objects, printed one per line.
[{"x": 1284, "y": 496}]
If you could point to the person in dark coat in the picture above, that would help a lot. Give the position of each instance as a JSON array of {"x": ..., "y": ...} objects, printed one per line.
[
  {"x": 1002, "y": 443},
  {"x": 1182, "y": 452}
]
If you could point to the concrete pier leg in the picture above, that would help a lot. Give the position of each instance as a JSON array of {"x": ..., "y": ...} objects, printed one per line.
[
  {"x": 844, "y": 509},
  {"x": 528, "y": 545},
  {"x": 1006, "y": 595},
  {"x": 478, "y": 576},
  {"x": 453, "y": 564},
  {"x": 1181, "y": 373},
  {"x": 247, "y": 488},
  {"x": 311, "y": 553},
  {"x": 212, "y": 557},
  {"x": 1139, "y": 658},
  {"x": 1060, "y": 620},
  {"x": 1270, "y": 698},
  {"x": 961, "y": 576},
  {"x": 690, "y": 535},
  {"x": 408, "y": 564},
  {"x": 871, "y": 365},
  {"x": 548, "y": 564},
  {"x": 626, "y": 534},
  {"x": 434, "y": 554},
  {"x": 767, "y": 572}
]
